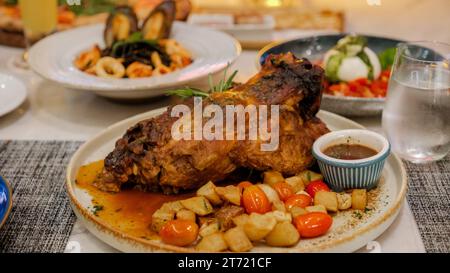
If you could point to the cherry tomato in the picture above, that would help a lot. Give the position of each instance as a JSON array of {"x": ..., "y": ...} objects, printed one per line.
[
  {"x": 316, "y": 186},
  {"x": 355, "y": 86},
  {"x": 362, "y": 81},
  {"x": 255, "y": 200},
  {"x": 284, "y": 190},
  {"x": 179, "y": 232},
  {"x": 313, "y": 224},
  {"x": 243, "y": 185},
  {"x": 298, "y": 200},
  {"x": 386, "y": 73}
]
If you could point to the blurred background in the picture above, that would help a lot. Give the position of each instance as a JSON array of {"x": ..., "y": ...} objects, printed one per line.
[{"x": 269, "y": 19}]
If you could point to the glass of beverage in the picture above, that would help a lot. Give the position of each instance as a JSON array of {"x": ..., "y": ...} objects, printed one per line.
[
  {"x": 416, "y": 117},
  {"x": 39, "y": 19}
]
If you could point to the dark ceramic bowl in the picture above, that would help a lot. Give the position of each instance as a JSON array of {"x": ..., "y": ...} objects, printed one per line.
[{"x": 314, "y": 48}]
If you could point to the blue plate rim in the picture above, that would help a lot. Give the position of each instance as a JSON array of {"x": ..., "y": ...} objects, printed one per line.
[{"x": 8, "y": 210}]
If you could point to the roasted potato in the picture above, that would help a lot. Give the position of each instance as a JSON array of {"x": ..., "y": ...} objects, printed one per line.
[
  {"x": 303, "y": 192},
  {"x": 164, "y": 214},
  {"x": 296, "y": 211},
  {"x": 202, "y": 220},
  {"x": 172, "y": 206},
  {"x": 308, "y": 176},
  {"x": 281, "y": 216},
  {"x": 186, "y": 214},
  {"x": 328, "y": 199},
  {"x": 279, "y": 206},
  {"x": 259, "y": 225},
  {"x": 160, "y": 217},
  {"x": 240, "y": 220},
  {"x": 272, "y": 177},
  {"x": 344, "y": 200},
  {"x": 296, "y": 182},
  {"x": 359, "y": 199},
  {"x": 230, "y": 193},
  {"x": 271, "y": 194},
  {"x": 283, "y": 234},
  {"x": 316, "y": 208},
  {"x": 226, "y": 214},
  {"x": 199, "y": 204},
  {"x": 209, "y": 191},
  {"x": 237, "y": 241},
  {"x": 212, "y": 243},
  {"x": 209, "y": 228}
]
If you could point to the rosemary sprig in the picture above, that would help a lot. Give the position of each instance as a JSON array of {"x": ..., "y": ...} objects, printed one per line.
[
  {"x": 223, "y": 85},
  {"x": 187, "y": 92}
]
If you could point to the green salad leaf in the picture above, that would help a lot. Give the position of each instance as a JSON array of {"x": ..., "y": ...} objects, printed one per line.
[
  {"x": 387, "y": 57},
  {"x": 332, "y": 66},
  {"x": 91, "y": 7}
]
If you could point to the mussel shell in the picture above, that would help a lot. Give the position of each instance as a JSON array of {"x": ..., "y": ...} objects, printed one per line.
[
  {"x": 182, "y": 9},
  {"x": 167, "y": 9},
  {"x": 128, "y": 12}
]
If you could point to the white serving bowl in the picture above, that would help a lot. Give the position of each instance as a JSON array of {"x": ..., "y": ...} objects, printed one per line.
[{"x": 53, "y": 57}]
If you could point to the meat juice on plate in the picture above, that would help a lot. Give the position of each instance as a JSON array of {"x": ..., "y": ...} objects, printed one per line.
[{"x": 416, "y": 117}]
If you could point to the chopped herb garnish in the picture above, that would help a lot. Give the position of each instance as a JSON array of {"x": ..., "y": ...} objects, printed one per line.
[
  {"x": 96, "y": 209},
  {"x": 308, "y": 176},
  {"x": 357, "y": 214},
  {"x": 367, "y": 210}
]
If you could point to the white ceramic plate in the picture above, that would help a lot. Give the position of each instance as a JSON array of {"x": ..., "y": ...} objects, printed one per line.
[
  {"x": 342, "y": 237},
  {"x": 53, "y": 58},
  {"x": 353, "y": 106},
  {"x": 12, "y": 93}
]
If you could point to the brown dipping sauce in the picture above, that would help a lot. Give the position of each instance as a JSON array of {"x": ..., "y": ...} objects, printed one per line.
[{"x": 349, "y": 151}]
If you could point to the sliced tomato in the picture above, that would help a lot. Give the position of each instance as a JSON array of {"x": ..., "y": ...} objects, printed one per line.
[
  {"x": 179, "y": 232},
  {"x": 284, "y": 190},
  {"x": 298, "y": 200},
  {"x": 316, "y": 186},
  {"x": 255, "y": 200},
  {"x": 244, "y": 184},
  {"x": 313, "y": 224}
]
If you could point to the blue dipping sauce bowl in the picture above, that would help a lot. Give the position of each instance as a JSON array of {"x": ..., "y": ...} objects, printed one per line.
[
  {"x": 352, "y": 174},
  {"x": 5, "y": 200}
]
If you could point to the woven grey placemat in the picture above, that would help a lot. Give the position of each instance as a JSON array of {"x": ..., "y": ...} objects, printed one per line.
[
  {"x": 41, "y": 218},
  {"x": 429, "y": 199}
]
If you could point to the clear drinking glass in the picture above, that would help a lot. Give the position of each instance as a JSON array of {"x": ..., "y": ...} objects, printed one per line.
[
  {"x": 39, "y": 19},
  {"x": 416, "y": 117}
]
